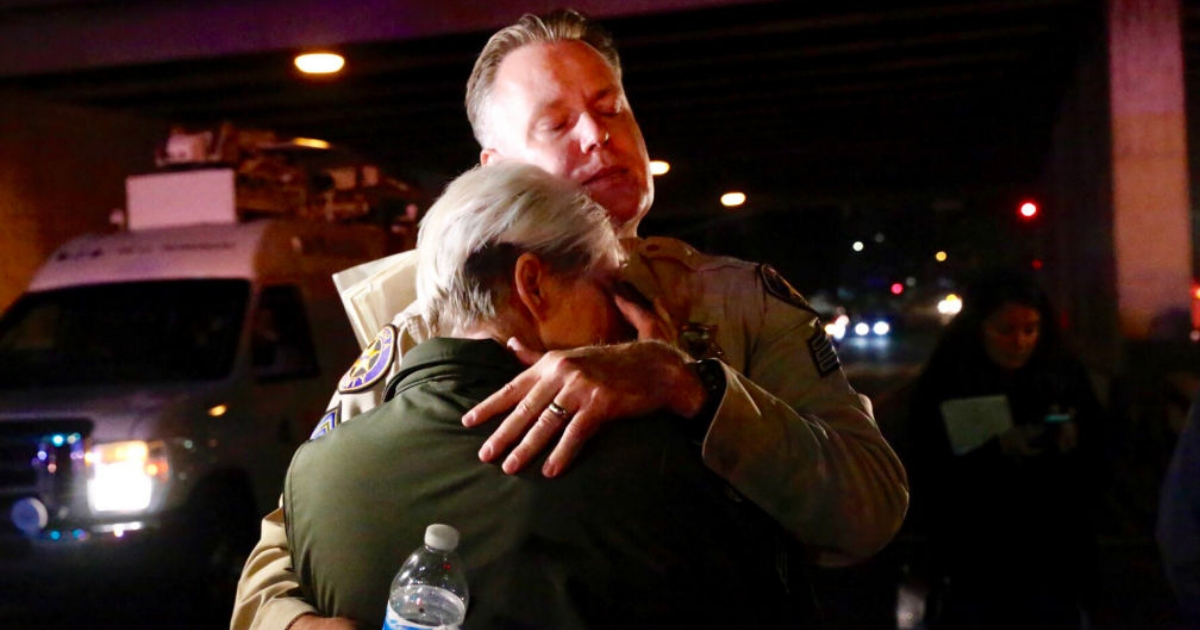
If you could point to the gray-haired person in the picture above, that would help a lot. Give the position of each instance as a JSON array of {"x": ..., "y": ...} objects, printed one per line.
[
  {"x": 780, "y": 423},
  {"x": 639, "y": 533}
]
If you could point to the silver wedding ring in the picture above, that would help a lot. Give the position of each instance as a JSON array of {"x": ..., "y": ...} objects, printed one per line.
[{"x": 558, "y": 410}]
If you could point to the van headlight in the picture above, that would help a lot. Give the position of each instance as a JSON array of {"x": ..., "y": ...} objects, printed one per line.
[{"x": 126, "y": 476}]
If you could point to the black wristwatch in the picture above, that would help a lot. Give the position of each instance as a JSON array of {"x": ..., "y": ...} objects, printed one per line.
[{"x": 712, "y": 377}]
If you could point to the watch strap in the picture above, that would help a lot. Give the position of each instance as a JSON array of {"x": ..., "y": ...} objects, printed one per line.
[{"x": 711, "y": 373}]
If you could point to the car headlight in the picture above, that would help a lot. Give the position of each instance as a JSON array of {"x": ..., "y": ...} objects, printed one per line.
[
  {"x": 836, "y": 329},
  {"x": 126, "y": 476}
]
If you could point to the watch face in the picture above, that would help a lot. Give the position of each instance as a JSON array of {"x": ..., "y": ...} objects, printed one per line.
[{"x": 700, "y": 341}]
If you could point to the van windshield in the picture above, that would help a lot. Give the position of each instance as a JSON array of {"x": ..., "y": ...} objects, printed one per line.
[{"x": 108, "y": 334}]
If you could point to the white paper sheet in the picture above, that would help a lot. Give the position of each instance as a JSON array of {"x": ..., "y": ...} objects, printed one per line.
[
  {"x": 970, "y": 422},
  {"x": 373, "y": 293}
]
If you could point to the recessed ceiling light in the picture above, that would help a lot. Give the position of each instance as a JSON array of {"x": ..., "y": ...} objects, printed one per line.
[
  {"x": 733, "y": 199},
  {"x": 320, "y": 63},
  {"x": 311, "y": 143}
]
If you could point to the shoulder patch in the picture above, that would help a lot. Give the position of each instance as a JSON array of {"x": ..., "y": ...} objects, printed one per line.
[
  {"x": 824, "y": 357},
  {"x": 373, "y": 364},
  {"x": 328, "y": 422},
  {"x": 775, "y": 284}
]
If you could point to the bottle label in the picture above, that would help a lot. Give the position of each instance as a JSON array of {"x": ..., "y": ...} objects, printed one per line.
[{"x": 393, "y": 621}]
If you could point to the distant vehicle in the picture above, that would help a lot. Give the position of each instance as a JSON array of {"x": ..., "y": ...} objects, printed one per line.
[
  {"x": 154, "y": 384},
  {"x": 843, "y": 325},
  {"x": 871, "y": 324}
]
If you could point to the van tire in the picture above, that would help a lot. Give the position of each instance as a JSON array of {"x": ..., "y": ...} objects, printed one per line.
[{"x": 224, "y": 521}]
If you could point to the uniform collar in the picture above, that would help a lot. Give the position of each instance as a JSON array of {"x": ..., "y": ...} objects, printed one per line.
[{"x": 445, "y": 356}]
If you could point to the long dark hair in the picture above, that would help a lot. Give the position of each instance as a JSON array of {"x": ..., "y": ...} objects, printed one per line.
[{"x": 987, "y": 292}]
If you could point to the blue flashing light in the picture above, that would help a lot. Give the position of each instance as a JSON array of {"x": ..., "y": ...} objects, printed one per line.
[
  {"x": 42, "y": 456},
  {"x": 78, "y": 534},
  {"x": 55, "y": 534},
  {"x": 58, "y": 440}
]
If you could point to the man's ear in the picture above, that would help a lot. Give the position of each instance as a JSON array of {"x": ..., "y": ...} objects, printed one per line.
[
  {"x": 530, "y": 276},
  {"x": 487, "y": 156}
]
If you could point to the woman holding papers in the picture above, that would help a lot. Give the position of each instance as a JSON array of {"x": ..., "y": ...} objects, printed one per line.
[{"x": 1001, "y": 484}]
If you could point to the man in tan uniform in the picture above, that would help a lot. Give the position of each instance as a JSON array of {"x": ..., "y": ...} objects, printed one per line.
[{"x": 780, "y": 423}]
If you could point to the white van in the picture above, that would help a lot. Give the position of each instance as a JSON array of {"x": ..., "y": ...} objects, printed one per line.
[{"x": 154, "y": 384}]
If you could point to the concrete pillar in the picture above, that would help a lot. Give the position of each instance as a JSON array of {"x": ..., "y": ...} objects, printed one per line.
[{"x": 1150, "y": 204}]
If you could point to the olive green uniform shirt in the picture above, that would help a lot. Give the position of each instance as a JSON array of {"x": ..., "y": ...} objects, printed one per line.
[{"x": 638, "y": 533}]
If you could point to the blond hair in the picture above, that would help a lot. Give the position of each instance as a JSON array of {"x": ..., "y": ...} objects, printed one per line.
[{"x": 558, "y": 26}]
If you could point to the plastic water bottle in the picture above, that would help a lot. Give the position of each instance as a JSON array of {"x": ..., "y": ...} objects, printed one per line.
[{"x": 430, "y": 591}]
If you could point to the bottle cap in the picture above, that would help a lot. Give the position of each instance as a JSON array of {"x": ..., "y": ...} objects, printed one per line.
[{"x": 441, "y": 537}]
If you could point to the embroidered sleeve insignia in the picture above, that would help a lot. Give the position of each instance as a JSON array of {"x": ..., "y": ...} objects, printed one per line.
[
  {"x": 373, "y": 364},
  {"x": 331, "y": 419},
  {"x": 824, "y": 357},
  {"x": 775, "y": 285}
]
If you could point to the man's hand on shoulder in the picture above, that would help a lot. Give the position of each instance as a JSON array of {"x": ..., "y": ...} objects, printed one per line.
[{"x": 575, "y": 392}]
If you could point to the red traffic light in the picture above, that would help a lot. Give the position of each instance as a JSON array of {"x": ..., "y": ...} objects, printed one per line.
[
  {"x": 897, "y": 288},
  {"x": 1028, "y": 210}
]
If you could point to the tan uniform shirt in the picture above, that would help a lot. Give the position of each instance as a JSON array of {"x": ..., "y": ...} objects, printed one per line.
[{"x": 790, "y": 433}]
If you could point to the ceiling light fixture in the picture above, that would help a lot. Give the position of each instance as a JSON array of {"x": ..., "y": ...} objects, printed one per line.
[
  {"x": 311, "y": 143},
  {"x": 320, "y": 63}
]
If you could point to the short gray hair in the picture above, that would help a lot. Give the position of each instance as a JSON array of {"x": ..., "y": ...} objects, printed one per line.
[
  {"x": 473, "y": 234},
  {"x": 559, "y": 26}
]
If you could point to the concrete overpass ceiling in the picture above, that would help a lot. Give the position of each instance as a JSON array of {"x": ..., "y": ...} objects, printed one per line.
[{"x": 789, "y": 100}]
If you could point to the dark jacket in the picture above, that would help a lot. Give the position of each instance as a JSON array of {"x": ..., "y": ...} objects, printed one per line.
[
  {"x": 636, "y": 533},
  {"x": 1014, "y": 536}
]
